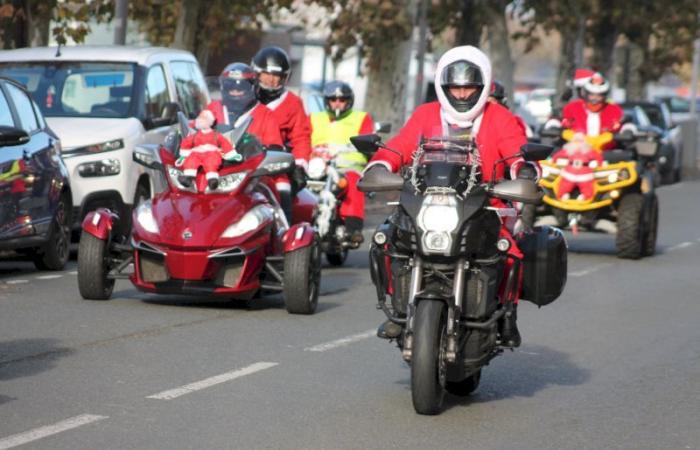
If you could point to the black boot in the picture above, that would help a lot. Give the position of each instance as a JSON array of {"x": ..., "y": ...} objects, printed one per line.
[
  {"x": 286, "y": 204},
  {"x": 185, "y": 180},
  {"x": 353, "y": 226},
  {"x": 510, "y": 336},
  {"x": 389, "y": 330},
  {"x": 213, "y": 183}
]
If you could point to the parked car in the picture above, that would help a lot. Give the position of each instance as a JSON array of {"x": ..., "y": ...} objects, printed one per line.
[
  {"x": 102, "y": 101},
  {"x": 678, "y": 106},
  {"x": 35, "y": 194},
  {"x": 669, "y": 156}
]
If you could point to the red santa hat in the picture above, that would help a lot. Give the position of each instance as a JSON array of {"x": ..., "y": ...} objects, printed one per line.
[{"x": 581, "y": 77}]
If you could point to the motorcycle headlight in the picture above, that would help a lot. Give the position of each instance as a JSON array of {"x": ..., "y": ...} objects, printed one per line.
[
  {"x": 439, "y": 213},
  {"x": 250, "y": 221},
  {"x": 230, "y": 182},
  {"x": 173, "y": 175},
  {"x": 437, "y": 241},
  {"x": 144, "y": 216},
  {"x": 317, "y": 168}
]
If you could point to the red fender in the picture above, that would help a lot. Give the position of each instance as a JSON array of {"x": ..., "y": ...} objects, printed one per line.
[
  {"x": 297, "y": 236},
  {"x": 99, "y": 223}
]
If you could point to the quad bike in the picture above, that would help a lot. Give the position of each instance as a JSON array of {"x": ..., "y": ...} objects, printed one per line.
[
  {"x": 620, "y": 189},
  {"x": 441, "y": 259},
  {"x": 326, "y": 179},
  {"x": 233, "y": 241}
]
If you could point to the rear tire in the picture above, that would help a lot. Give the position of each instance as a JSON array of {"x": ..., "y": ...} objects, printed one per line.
[
  {"x": 337, "y": 259},
  {"x": 302, "y": 279},
  {"x": 428, "y": 370},
  {"x": 93, "y": 268},
  {"x": 54, "y": 254},
  {"x": 629, "y": 226},
  {"x": 464, "y": 387},
  {"x": 652, "y": 228}
]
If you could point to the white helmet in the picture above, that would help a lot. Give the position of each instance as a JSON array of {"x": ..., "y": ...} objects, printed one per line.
[
  {"x": 463, "y": 66},
  {"x": 597, "y": 84}
]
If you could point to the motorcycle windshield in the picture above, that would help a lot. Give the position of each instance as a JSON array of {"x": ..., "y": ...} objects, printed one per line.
[{"x": 448, "y": 163}]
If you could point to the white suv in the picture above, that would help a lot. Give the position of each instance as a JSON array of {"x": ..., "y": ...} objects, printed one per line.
[{"x": 102, "y": 101}]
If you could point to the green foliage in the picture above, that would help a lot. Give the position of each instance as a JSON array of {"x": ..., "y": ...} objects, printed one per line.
[{"x": 72, "y": 18}]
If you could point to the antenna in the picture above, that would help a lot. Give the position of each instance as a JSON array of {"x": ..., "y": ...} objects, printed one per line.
[{"x": 58, "y": 50}]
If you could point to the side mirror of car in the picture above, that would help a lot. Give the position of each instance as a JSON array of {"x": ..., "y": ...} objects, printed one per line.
[
  {"x": 519, "y": 190},
  {"x": 536, "y": 152},
  {"x": 382, "y": 127},
  {"x": 10, "y": 136},
  {"x": 168, "y": 116},
  {"x": 366, "y": 143},
  {"x": 147, "y": 156}
]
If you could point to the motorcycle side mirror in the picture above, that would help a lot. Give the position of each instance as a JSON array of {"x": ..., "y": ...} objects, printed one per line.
[
  {"x": 366, "y": 143},
  {"x": 380, "y": 181},
  {"x": 382, "y": 127},
  {"x": 519, "y": 190},
  {"x": 275, "y": 163},
  {"x": 550, "y": 132},
  {"x": 10, "y": 136},
  {"x": 147, "y": 156},
  {"x": 536, "y": 152}
]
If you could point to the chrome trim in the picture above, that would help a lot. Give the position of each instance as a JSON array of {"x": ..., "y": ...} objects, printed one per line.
[{"x": 146, "y": 247}]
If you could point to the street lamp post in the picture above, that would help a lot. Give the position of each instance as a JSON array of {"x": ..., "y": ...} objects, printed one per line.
[{"x": 121, "y": 13}]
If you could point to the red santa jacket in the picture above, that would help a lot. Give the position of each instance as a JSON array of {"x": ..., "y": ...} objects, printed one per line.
[
  {"x": 288, "y": 109},
  {"x": 576, "y": 116},
  {"x": 499, "y": 136},
  {"x": 264, "y": 125},
  {"x": 201, "y": 142}
]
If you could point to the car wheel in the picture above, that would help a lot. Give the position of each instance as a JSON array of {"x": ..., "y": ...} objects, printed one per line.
[
  {"x": 302, "y": 279},
  {"x": 54, "y": 254},
  {"x": 93, "y": 268}
]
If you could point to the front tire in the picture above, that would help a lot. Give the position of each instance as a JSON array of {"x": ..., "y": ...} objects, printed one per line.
[
  {"x": 629, "y": 226},
  {"x": 302, "y": 279},
  {"x": 93, "y": 268},
  {"x": 428, "y": 366},
  {"x": 54, "y": 254},
  {"x": 652, "y": 227}
]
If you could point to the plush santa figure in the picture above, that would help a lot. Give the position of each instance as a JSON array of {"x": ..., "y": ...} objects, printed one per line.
[
  {"x": 578, "y": 161},
  {"x": 205, "y": 148}
]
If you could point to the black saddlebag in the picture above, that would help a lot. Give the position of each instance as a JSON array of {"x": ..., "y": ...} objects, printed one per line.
[{"x": 545, "y": 257}]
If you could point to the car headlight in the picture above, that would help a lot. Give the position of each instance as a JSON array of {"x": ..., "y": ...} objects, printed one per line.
[
  {"x": 250, "y": 221},
  {"x": 173, "y": 175},
  {"x": 317, "y": 168},
  {"x": 438, "y": 213},
  {"x": 144, "y": 216},
  {"x": 108, "y": 146},
  {"x": 230, "y": 182},
  {"x": 102, "y": 168}
]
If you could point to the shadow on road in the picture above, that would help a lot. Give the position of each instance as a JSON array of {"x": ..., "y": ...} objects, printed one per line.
[{"x": 25, "y": 357}]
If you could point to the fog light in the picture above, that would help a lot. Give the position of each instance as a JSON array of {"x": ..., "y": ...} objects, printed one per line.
[
  {"x": 102, "y": 168},
  {"x": 612, "y": 177},
  {"x": 380, "y": 238},
  {"x": 614, "y": 194},
  {"x": 503, "y": 245}
]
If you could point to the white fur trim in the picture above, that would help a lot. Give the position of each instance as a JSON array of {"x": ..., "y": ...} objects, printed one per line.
[
  {"x": 190, "y": 172},
  {"x": 377, "y": 163},
  {"x": 518, "y": 164},
  {"x": 185, "y": 152},
  {"x": 577, "y": 178},
  {"x": 475, "y": 56},
  {"x": 301, "y": 162},
  {"x": 283, "y": 186},
  {"x": 212, "y": 175}
]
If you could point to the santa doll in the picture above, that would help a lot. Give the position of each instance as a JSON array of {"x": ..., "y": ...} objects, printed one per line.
[
  {"x": 205, "y": 148},
  {"x": 578, "y": 161}
]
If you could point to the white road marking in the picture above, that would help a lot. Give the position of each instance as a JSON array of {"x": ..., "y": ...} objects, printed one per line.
[
  {"x": 42, "y": 432},
  {"x": 73, "y": 272},
  {"x": 680, "y": 246},
  {"x": 48, "y": 277},
  {"x": 341, "y": 342},
  {"x": 17, "y": 281},
  {"x": 590, "y": 270},
  {"x": 212, "y": 381}
]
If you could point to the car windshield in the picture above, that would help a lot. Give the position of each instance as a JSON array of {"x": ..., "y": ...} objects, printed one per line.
[
  {"x": 655, "y": 115},
  {"x": 77, "y": 89}
]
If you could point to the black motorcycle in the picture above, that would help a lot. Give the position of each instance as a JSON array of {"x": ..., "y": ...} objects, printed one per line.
[{"x": 440, "y": 259}]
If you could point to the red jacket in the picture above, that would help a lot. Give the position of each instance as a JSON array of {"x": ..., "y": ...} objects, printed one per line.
[
  {"x": 499, "y": 136},
  {"x": 264, "y": 125},
  {"x": 294, "y": 124},
  {"x": 575, "y": 116}
]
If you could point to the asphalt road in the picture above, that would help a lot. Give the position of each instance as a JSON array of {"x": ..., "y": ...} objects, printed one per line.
[{"x": 614, "y": 363}]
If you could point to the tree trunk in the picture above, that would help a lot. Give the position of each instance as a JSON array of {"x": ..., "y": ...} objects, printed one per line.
[
  {"x": 499, "y": 46},
  {"x": 187, "y": 23},
  {"x": 565, "y": 69},
  {"x": 469, "y": 31},
  {"x": 386, "y": 95},
  {"x": 38, "y": 18},
  {"x": 603, "y": 38}
]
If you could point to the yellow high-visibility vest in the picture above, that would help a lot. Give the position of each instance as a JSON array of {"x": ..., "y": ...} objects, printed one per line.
[{"x": 336, "y": 132}]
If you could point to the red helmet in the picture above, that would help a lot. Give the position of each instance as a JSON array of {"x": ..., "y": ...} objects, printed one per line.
[{"x": 595, "y": 91}]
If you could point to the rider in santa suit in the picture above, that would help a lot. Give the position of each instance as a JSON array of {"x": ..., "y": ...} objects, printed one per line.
[
  {"x": 462, "y": 83},
  {"x": 593, "y": 114}
]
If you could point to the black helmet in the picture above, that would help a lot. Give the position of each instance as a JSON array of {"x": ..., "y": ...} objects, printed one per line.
[
  {"x": 462, "y": 74},
  {"x": 498, "y": 92},
  {"x": 272, "y": 60},
  {"x": 239, "y": 78},
  {"x": 338, "y": 89}
]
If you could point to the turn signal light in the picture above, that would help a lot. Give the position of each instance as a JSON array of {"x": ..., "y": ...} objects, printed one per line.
[{"x": 342, "y": 183}]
